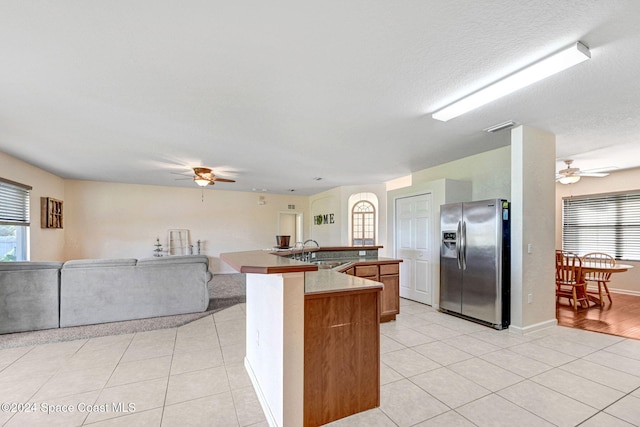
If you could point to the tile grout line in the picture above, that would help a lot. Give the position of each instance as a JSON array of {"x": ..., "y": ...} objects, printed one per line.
[
  {"x": 166, "y": 390},
  {"x": 611, "y": 404},
  {"x": 224, "y": 363},
  {"x": 111, "y": 376},
  {"x": 551, "y": 367}
]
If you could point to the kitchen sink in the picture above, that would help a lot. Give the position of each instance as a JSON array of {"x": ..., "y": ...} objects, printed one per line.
[{"x": 328, "y": 264}]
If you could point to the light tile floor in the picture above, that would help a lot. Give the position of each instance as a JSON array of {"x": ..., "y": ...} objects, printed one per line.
[{"x": 436, "y": 370}]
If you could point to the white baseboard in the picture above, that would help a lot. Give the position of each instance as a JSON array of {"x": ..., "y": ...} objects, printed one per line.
[
  {"x": 594, "y": 288},
  {"x": 624, "y": 291},
  {"x": 271, "y": 420},
  {"x": 533, "y": 328}
]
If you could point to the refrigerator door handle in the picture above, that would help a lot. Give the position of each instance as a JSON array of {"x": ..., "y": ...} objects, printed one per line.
[
  {"x": 458, "y": 243},
  {"x": 463, "y": 245}
]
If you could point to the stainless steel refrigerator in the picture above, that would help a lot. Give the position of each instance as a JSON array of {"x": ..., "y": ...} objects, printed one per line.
[{"x": 475, "y": 261}]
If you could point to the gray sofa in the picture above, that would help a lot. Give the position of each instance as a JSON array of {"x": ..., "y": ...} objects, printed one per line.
[
  {"x": 37, "y": 295},
  {"x": 29, "y": 296},
  {"x": 100, "y": 291}
]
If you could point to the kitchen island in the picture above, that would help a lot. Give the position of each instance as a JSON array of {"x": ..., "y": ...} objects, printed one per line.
[
  {"x": 362, "y": 262},
  {"x": 312, "y": 339}
]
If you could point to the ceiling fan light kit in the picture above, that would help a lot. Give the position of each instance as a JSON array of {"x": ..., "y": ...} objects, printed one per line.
[
  {"x": 571, "y": 175},
  {"x": 201, "y": 181},
  {"x": 571, "y": 179},
  {"x": 559, "y": 61},
  {"x": 205, "y": 176}
]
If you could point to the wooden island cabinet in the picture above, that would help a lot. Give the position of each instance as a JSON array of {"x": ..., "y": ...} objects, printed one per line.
[
  {"x": 388, "y": 273},
  {"x": 341, "y": 355}
]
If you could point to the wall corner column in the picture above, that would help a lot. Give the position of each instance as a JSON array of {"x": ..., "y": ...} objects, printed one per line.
[{"x": 533, "y": 155}]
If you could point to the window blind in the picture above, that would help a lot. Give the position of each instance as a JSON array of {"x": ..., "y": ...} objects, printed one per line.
[
  {"x": 14, "y": 203},
  {"x": 607, "y": 223}
]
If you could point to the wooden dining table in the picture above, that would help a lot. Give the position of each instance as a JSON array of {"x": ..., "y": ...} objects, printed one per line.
[{"x": 588, "y": 267}]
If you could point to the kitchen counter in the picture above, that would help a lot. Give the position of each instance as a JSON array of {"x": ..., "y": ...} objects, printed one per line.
[
  {"x": 335, "y": 259},
  {"x": 264, "y": 262},
  {"x": 290, "y": 251},
  {"x": 351, "y": 262},
  {"x": 316, "y": 280},
  {"x": 328, "y": 281}
]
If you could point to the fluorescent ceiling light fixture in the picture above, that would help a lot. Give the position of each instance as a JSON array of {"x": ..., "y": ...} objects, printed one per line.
[{"x": 567, "y": 57}]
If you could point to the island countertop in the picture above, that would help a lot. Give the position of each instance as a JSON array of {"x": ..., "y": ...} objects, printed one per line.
[
  {"x": 316, "y": 282},
  {"x": 328, "y": 281},
  {"x": 264, "y": 262}
]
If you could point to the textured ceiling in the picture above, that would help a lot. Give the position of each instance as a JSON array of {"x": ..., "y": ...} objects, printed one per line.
[{"x": 275, "y": 94}]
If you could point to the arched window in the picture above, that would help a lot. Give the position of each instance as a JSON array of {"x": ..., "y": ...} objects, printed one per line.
[{"x": 363, "y": 216}]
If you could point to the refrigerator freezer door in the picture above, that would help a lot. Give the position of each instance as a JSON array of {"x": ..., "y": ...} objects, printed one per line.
[
  {"x": 450, "y": 272},
  {"x": 481, "y": 298}
]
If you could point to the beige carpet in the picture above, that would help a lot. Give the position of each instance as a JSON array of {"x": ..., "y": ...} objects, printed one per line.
[{"x": 225, "y": 290}]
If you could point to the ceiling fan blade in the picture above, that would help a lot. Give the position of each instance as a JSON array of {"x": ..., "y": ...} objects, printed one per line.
[
  {"x": 222, "y": 179},
  {"x": 606, "y": 169},
  {"x": 593, "y": 174}
]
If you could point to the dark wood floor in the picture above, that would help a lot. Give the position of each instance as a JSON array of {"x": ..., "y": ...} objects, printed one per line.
[{"x": 621, "y": 318}]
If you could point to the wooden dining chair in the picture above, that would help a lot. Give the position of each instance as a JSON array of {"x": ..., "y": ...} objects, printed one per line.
[
  {"x": 570, "y": 281},
  {"x": 600, "y": 278}
]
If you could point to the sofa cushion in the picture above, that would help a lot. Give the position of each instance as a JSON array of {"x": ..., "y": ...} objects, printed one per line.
[{"x": 99, "y": 263}]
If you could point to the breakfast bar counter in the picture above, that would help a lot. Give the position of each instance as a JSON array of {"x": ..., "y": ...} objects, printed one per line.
[
  {"x": 264, "y": 262},
  {"x": 312, "y": 339}
]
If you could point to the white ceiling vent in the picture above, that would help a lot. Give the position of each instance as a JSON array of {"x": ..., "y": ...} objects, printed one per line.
[{"x": 500, "y": 126}]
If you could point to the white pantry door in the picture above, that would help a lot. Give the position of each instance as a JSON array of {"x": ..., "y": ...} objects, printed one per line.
[{"x": 413, "y": 246}]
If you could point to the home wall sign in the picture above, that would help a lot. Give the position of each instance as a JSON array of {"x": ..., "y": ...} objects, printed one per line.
[{"x": 323, "y": 219}]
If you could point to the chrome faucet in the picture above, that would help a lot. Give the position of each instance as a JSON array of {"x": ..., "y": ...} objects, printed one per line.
[
  {"x": 296, "y": 246},
  {"x": 304, "y": 244}
]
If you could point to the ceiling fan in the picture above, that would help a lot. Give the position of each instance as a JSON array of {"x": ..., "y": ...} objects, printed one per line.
[
  {"x": 571, "y": 175},
  {"x": 205, "y": 176}
]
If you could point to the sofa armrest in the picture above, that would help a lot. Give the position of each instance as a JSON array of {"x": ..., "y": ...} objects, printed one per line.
[
  {"x": 29, "y": 296},
  {"x": 29, "y": 265}
]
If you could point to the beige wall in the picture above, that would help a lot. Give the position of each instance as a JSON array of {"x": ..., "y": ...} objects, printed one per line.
[
  {"x": 336, "y": 201},
  {"x": 47, "y": 244},
  {"x": 626, "y": 180},
  {"x": 326, "y": 203},
  {"x": 110, "y": 220},
  {"x": 489, "y": 173},
  {"x": 478, "y": 177}
]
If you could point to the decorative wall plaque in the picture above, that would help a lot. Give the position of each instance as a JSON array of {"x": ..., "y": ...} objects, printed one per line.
[{"x": 51, "y": 215}]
